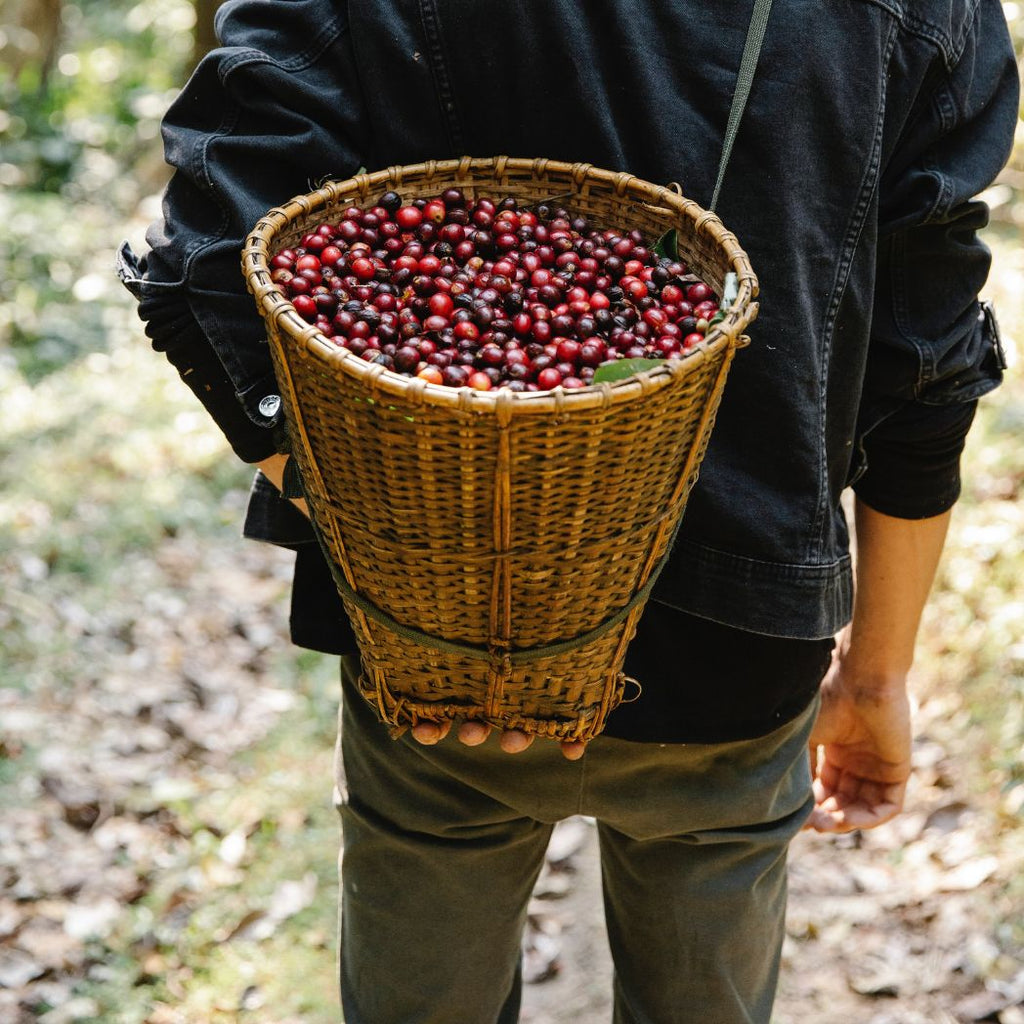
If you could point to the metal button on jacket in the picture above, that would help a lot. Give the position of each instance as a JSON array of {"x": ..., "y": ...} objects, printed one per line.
[{"x": 269, "y": 406}]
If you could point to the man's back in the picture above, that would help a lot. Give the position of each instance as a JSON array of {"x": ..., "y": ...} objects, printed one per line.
[{"x": 848, "y": 187}]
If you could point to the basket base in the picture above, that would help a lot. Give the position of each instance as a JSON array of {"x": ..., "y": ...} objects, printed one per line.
[{"x": 401, "y": 713}]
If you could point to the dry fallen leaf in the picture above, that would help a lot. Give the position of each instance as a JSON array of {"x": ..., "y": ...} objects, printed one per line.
[
  {"x": 77, "y": 1008},
  {"x": 92, "y": 920},
  {"x": 969, "y": 875},
  {"x": 232, "y": 848},
  {"x": 567, "y": 839},
  {"x": 50, "y": 945},
  {"x": 540, "y": 957},
  {"x": 18, "y": 969},
  {"x": 288, "y": 899}
]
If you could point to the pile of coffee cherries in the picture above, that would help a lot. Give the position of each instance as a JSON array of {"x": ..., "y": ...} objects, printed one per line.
[{"x": 489, "y": 293}]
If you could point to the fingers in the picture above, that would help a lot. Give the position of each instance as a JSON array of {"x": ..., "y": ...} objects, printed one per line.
[
  {"x": 858, "y": 791},
  {"x": 862, "y": 806},
  {"x": 831, "y": 818},
  {"x": 429, "y": 733},
  {"x": 473, "y": 733},
  {"x": 513, "y": 741}
]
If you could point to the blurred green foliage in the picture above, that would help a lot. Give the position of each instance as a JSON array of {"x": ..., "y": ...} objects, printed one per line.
[
  {"x": 79, "y": 149},
  {"x": 79, "y": 122}
]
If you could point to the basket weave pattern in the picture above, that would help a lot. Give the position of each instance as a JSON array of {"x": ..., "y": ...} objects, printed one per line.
[{"x": 502, "y": 525}]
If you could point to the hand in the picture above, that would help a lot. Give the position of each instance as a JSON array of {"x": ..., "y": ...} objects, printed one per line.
[
  {"x": 860, "y": 750},
  {"x": 472, "y": 734}
]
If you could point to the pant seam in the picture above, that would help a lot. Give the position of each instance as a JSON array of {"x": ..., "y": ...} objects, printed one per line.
[{"x": 581, "y": 795}]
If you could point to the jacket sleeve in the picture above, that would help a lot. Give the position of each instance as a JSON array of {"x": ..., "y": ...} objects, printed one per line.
[
  {"x": 268, "y": 115},
  {"x": 933, "y": 345}
]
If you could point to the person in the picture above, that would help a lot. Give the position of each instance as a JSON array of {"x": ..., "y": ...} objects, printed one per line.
[{"x": 850, "y": 186}]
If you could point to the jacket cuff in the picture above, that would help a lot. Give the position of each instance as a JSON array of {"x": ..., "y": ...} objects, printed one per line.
[
  {"x": 251, "y": 443},
  {"x": 913, "y": 461},
  {"x": 174, "y": 331}
]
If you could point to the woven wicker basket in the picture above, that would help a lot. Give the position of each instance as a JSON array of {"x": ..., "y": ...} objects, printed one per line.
[{"x": 494, "y": 550}]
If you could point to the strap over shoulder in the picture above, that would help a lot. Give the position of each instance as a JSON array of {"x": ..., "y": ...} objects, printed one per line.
[{"x": 745, "y": 79}]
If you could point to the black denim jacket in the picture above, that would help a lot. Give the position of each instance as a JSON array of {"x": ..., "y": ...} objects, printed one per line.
[{"x": 870, "y": 127}]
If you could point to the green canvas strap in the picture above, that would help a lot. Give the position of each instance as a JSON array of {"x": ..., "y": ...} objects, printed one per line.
[
  {"x": 291, "y": 482},
  {"x": 745, "y": 79}
]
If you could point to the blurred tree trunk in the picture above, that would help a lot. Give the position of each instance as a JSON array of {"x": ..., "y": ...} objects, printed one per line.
[
  {"x": 36, "y": 33},
  {"x": 204, "y": 39}
]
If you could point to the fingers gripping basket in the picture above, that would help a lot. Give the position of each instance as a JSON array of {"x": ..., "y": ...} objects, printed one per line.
[{"x": 494, "y": 550}]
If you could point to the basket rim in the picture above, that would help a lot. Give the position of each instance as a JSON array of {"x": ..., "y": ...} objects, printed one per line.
[{"x": 277, "y": 309}]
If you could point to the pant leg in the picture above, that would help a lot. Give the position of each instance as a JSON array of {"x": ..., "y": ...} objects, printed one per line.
[
  {"x": 693, "y": 852},
  {"x": 436, "y": 875},
  {"x": 694, "y": 875}
]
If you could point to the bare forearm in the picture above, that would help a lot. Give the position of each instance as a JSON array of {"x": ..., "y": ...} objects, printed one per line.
[
  {"x": 861, "y": 743},
  {"x": 896, "y": 564}
]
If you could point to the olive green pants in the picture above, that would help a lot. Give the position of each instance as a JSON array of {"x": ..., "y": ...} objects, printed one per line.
[{"x": 443, "y": 844}]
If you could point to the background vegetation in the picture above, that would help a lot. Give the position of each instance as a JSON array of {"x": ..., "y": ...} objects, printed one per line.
[{"x": 167, "y": 843}]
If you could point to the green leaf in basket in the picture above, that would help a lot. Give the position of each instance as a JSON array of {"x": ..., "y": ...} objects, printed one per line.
[
  {"x": 668, "y": 245},
  {"x": 716, "y": 319},
  {"x": 620, "y": 369}
]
